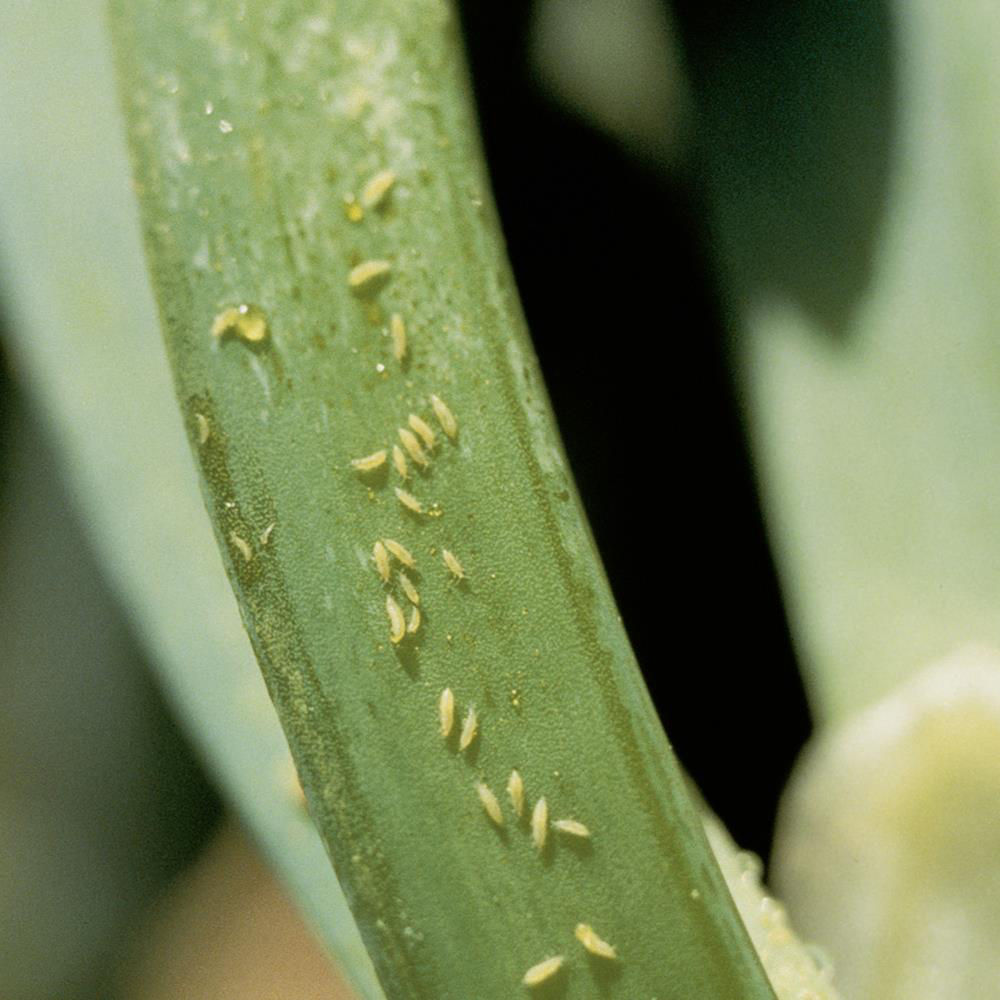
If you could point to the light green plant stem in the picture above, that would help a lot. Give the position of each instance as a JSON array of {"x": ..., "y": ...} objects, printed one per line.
[{"x": 249, "y": 127}]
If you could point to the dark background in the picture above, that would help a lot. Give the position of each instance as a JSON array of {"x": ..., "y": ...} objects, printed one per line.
[{"x": 613, "y": 259}]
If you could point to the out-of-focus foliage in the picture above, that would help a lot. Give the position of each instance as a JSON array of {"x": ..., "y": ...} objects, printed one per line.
[
  {"x": 99, "y": 801},
  {"x": 84, "y": 338},
  {"x": 860, "y": 228},
  {"x": 902, "y": 885}
]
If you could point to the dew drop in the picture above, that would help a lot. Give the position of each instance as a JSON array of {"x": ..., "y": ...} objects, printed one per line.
[
  {"x": 245, "y": 321},
  {"x": 352, "y": 208}
]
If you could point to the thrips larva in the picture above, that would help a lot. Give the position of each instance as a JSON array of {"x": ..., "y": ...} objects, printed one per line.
[
  {"x": 368, "y": 276},
  {"x": 490, "y": 804},
  {"x": 540, "y": 823},
  {"x": 446, "y": 712},
  {"x": 248, "y": 323},
  {"x": 265, "y": 535},
  {"x": 544, "y": 970},
  {"x": 586, "y": 935},
  {"x": 204, "y": 428},
  {"x": 572, "y": 827},
  {"x": 399, "y": 460},
  {"x": 377, "y": 188},
  {"x": 397, "y": 623},
  {"x": 402, "y": 553},
  {"x": 453, "y": 564},
  {"x": 414, "y": 623},
  {"x": 412, "y": 446},
  {"x": 290, "y": 779},
  {"x": 412, "y": 594},
  {"x": 409, "y": 501},
  {"x": 381, "y": 558},
  {"x": 469, "y": 728},
  {"x": 515, "y": 789},
  {"x": 369, "y": 462},
  {"x": 445, "y": 417},
  {"x": 423, "y": 429},
  {"x": 241, "y": 545},
  {"x": 397, "y": 330}
]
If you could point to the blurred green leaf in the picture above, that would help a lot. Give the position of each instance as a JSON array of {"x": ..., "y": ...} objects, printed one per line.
[
  {"x": 100, "y": 803},
  {"x": 852, "y": 156},
  {"x": 85, "y": 341},
  {"x": 852, "y": 152}
]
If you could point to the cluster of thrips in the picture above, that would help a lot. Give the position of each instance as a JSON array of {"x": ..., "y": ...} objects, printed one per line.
[
  {"x": 539, "y": 826},
  {"x": 416, "y": 443},
  {"x": 383, "y": 551}
]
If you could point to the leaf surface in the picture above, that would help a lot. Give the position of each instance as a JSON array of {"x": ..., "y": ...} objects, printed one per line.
[{"x": 255, "y": 131}]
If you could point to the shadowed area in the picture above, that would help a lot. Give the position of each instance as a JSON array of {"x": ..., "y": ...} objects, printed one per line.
[
  {"x": 795, "y": 105},
  {"x": 227, "y": 931}
]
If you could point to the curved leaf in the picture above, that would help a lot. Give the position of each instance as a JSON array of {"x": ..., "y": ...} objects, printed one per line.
[{"x": 255, "y": 131}]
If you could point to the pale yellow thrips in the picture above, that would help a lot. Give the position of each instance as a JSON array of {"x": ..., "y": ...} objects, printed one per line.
[
  {"x": 469, "y": 728},
  {"x": 409, "y": 501},
  {"x": 446, "y": 712},
  {"x": 247, "y": 322},
  {"x": 397, "y": 623},
  {"x": 412, "y": 446},
  {"x": 242, "y": 546},
  {"x": 381, "y": 558},
  {"x": 412, "y": 594},
  {"x": 204, "y": 428},
  {"x": 369, "y": 462},
  {"x": 544, "y": 970},
  {"x": 451, "y": 561},
  {"x": 423, "y": 429},
  {"x": 401, "y": 553},
  {"x": 399, "y": 460},
  {"x": 445, "y": 417},
  {"x": 515, "y": 789},
  {"x": 540, "y": 823},
  {"x": 397, "y": 330},
  {"x": 571, "y": 826},
  {"x": 377, "y": 188},
  {"x": 414, "y": 622},
  {"x": 490, "y": 804},
  {"x": 290, "y": 779},
  {"x": 586, "y": 935},
  {"x": 368, "y": 275},
  {"x": 352, "y": 209}
]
